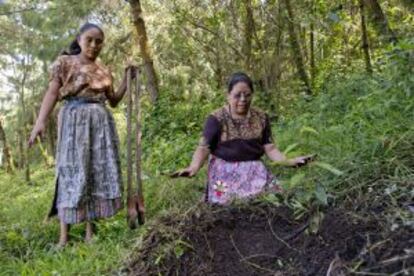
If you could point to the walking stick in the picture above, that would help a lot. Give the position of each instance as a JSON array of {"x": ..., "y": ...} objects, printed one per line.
[
  {"x": 132, "y": 213},
  {"x": 135, "y": 199},
  {"x": 140, "y": 193}
]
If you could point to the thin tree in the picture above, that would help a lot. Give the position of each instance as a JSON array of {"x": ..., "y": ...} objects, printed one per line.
[
  {"x": 379, "y": 20},
  {"x": 312, "y": 43},
  {"x": 364, "y": 34},
  {"x": 296, "y": 48},
  {"x": 248, "y": 34},
  {"x": 6, "y": 150},
  {"x": 22, "y": 137},
  {"x": 139, "y": 23}
]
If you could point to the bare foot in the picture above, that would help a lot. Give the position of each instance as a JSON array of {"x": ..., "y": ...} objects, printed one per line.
[
  {"x": 63, "y": 238},
  {"x": 62, "y": 243}
]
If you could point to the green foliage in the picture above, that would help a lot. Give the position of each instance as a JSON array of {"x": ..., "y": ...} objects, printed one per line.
[
  {"x": 172, "y": 128},
  {"x": 27, "y": 243},
  {"x": 359, "y": 125},
  {"x": 360, "y": 128}
]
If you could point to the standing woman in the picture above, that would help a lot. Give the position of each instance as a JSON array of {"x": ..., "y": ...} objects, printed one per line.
[
  {"x": 88, "y": 173},
  {"x": 235, "y": 137}
]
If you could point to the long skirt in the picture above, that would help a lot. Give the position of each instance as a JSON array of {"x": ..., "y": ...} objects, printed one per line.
[
  {"x": 88, "y": 171},
  {"x": 229, "y": 180}
]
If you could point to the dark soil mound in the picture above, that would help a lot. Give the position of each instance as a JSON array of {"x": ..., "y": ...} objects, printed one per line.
[{"x": 267, "y": 240}]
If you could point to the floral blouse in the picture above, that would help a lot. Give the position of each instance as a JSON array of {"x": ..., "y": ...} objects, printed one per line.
[{"x": 92, "y": 80}]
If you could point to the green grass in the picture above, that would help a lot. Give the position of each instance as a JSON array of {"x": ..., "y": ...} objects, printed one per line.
[{"x": 27, "y": 243}]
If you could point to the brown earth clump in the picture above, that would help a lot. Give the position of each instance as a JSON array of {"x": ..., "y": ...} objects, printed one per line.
[{"x": 267, "y": 240}]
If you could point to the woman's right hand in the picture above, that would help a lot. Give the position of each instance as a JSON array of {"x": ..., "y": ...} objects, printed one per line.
[
  {"x": 302, "y": 160},
  {"x": 187, "y": 172},
  {"x": 38, "y": 130}
]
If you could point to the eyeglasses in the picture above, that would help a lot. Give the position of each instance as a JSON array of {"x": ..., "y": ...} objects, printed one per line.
[{"x": 246, "y": 95}]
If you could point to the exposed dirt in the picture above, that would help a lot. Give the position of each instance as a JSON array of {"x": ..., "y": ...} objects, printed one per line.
[{"x": 267, "y": 240}]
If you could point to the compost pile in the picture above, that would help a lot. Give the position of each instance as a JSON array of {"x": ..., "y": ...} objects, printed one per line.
[{"x": 263, "y": 239}]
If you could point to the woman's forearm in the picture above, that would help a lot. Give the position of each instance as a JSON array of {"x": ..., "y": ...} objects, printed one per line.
[
  {"x": 199, "y": 157},
  {"x": 115, "y": 98},
  {"x": 275, "y": 154},
  {"x": 49, "y": 101}
]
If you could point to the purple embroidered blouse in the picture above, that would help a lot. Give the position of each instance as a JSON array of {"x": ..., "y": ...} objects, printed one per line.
[{"x": 237, "y": 139}]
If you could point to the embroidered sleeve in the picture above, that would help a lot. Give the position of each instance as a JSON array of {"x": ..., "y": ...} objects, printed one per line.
[
  {"x": 56, "y": 69},
  {"x": 211, "y": 133}
]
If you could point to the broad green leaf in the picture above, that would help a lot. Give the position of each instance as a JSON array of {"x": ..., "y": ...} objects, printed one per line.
[
  {"x": 328, "y": 167},
  {"x": 309, "y": 130},
  {"x": 296, "y": 179},
  {"x": 290, "y": 148}
]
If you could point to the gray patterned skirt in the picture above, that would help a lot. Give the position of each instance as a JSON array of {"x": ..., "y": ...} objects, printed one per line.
[{"x": 88, "y": 171}]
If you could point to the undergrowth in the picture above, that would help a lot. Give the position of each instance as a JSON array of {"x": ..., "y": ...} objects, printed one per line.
[{"x": 360, "y": 126}]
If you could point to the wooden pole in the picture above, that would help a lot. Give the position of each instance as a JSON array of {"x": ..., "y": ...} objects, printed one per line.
[
  {"x": 135, "y": 197},
  {"x": 138, "y": 152},
  {"x": 132, "y": 213}
]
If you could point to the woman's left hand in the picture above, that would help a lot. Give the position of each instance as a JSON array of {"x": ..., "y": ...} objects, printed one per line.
[{"x": 301, "y": 160}]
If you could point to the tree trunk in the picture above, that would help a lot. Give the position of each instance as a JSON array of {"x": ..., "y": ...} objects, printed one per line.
[
  {"x": 248, "y": 35},
  {"x": 312, "y": 45},
  {"x": 51, "y": 129},
  {"x": 218, "y": 72},
  {"x": 276, "y": 65},
  {"x": 46, "y": 156},
  {"x": 152, "y": 79},
  {"x": 23, "y": 145},
  {"x": 365, "y": 46},
  {"x": 217, "y": 52},
  {"x": 6, "y": 150},
  {"x": 19, "y": 158},
  {"x": 297, "y": 51},
  {"x": 379, "y": 20}
]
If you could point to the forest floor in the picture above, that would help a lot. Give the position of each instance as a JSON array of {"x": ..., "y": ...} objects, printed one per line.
[
  {"x": 257, "y": 237},
  {"x": 263, "y": 239}
]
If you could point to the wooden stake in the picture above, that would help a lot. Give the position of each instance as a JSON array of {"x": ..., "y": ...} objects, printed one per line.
[
  {"x": 138, "y": 152},
  {"x": 135, "y": 197},
  {"x": 132, "y": 213}
]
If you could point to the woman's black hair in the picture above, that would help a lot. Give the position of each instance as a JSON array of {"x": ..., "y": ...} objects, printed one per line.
[
  {"x": 239, "y": 77},
  {"x": 74, "y": 47}
]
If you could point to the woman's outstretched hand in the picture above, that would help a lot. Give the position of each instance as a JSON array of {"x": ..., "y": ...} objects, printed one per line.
[
  {"x": 302, "y": 160},
  {"x": 187, "y": 172},
  {"x": 38, "y": 130}
]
